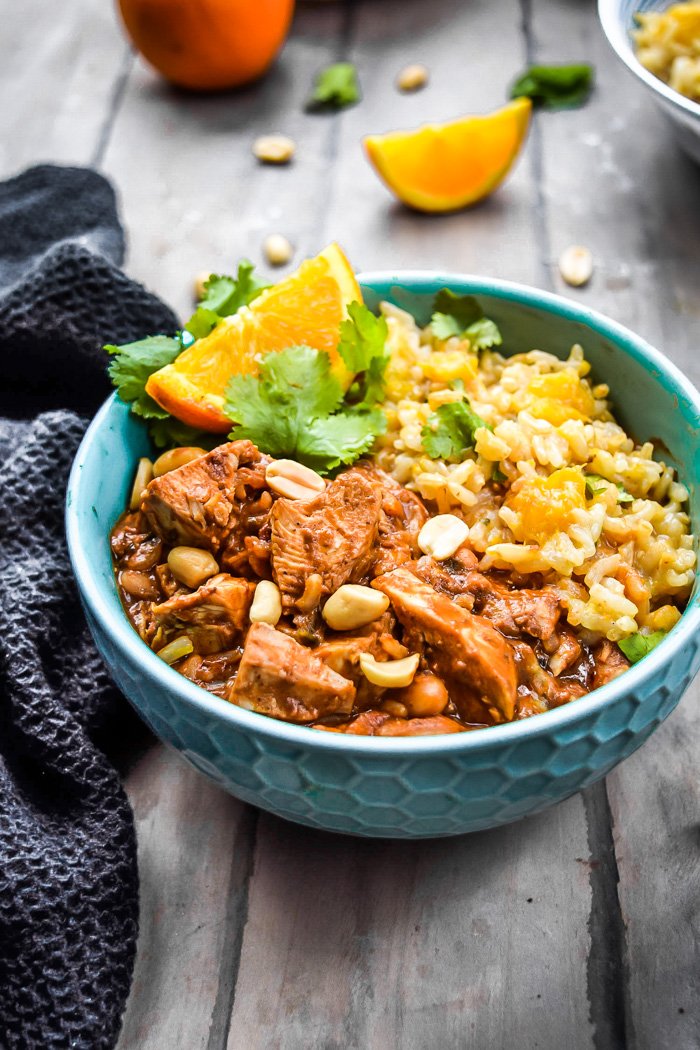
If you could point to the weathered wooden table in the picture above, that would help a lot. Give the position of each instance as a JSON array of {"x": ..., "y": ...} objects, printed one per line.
[{"x": 576, "y": 928}]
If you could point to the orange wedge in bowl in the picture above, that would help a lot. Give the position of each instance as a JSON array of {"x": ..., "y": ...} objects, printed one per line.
[
  {"x": 443, "y": 167},
  {"x": 306, "y": 307}
]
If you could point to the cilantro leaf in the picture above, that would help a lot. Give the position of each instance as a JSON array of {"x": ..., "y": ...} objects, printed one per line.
[
  {"x": 341, "y": 438},
  {"x": 461, "y": 316},
  {"x": 131, "y": 366},
  {"x": 223, "y": 296},
  {"x": 450, "y": 430},
  {"x": 335, "y": 86},
  {"x": 639, "y": 645},
  {"x": 362, "y": 347},
  {"x": 555, "y": 86},
  {"x": 134, "y": 363},
  {"x": 294, "y": 387},
  {"x": 168, "y": 432},
  {"x": 294, "y": 407},
  {"x": 498, "y": 476},
  {"x": 483, "y": 334}
]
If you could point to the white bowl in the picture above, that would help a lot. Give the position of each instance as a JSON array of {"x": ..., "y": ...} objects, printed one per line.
[{"x": 617, "y": 20}]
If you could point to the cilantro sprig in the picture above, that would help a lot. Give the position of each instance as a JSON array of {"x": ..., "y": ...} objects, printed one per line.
[
  {"x": 296, "y": 407},
  {"x": 335, "y": 87},
  {"x": 461, "y": 316},
  {"x": 133, "y": 363},
  {"x": 130, "y": 368},
  {"x": 639, "y": 645},
  {"x": 223, "y": 296},
  {"x": 555, "y": 87},
  {"x": 450, "y": 430}
]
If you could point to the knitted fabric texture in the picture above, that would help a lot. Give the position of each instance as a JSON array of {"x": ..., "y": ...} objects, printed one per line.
[{"x": 68, "y": 876}]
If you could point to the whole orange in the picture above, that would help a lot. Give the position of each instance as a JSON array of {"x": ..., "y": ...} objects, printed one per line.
[{"x": 208, "y": 44}]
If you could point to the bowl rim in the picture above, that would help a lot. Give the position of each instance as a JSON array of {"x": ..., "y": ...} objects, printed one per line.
[
  {"x": 618, "y": 38},
  {"x": 135, "y": 651}
]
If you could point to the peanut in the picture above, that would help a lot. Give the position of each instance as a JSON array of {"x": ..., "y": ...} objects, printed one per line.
[
  {"x": 144, "y": 474},
  {"x": 175, "y": 650},
  {"x": 278, "y": 250},
  {"x": 392, "y": 674},
  {"x": 138, "y": 584},
  {"x": 199, "y": 283},
  {"x": 267, "y": 603},
  {"x": 191, "y": 565},
  {"x": 576, "y": 265},
  {"x": 412, "y": 78},
  {"x": 288, "y": 478},
  {"x": 426, "y": 696},
  {"x": 176, "y": 457},
  {"x": 274, "y": 149},
  {"x": 312, "y": 593},
  {"x": 353, "y": 606},
  {"x": 442, "y": 535}
]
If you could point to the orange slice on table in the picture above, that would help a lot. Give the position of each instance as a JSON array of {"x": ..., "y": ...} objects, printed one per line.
[
  {"x": 442, "y": 167},
  {"x": 306, "y": 307}
]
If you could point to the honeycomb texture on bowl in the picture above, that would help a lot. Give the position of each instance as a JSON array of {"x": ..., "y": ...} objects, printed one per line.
[{"x": 426, "y": 795}]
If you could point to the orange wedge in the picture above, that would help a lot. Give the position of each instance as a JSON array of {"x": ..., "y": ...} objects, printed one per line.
[
  {"x": 442, "y": 167},
  {"x": 306, "y": 307}
]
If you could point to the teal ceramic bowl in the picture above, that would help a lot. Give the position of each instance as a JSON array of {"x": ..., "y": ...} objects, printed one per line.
[{"x": 430, "y": 786}]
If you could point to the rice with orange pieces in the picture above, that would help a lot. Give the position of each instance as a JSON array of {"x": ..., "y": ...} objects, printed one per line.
[{"x": 552, "y": 486}]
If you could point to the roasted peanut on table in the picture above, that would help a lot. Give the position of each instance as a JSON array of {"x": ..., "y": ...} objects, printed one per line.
[
  {"x": 144, "y": 474},
  {"x": 412, "y": 78},
  {"x": 278, "y": 250},
  {"x": 576, "y": 265},
  {"x": 274, "y": 149},
  {"x": 353, "y": 606},
  {"x": 442, "y": 535},
  {"x": 267, "y": 603},
  {"x": 288, "y": 478},
  {"x": 200, "y": 282},
  {"x": 191, "y": 565},
  {"x": 391, "y": 674},
  {"x": 176, "y": 457}
]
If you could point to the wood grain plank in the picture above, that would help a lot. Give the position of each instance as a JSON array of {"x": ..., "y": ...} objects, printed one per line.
[
  {"x": 616, "y": 181},
  {"x": 193, "y": 853},
  {"x": 60, "y": 64},
  {"x": 193, "y": 198},
  {"x": 370, "y": 944},
  {"x": 193, "y": 195},
  {"x": 469, "y": 942},
  {"x": 470, "y": 50}
]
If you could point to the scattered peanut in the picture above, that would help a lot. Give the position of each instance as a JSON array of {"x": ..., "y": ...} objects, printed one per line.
[
  {"x": 412, "y": 78},
  {"x": 393, "y": 707},
  {"x": 353, "y": 606},
  {"x": 278, "y": 250},
  {"x": 288, "y": 478},
  {"x": 191, "y": 565},
  {"x": 274, "y": 149},
  {"x": 176, "y": 650},
  {"x": 139, "y": 584},
  {"x": 426, "y": 696},
  {"x": 144, "y": 474},
  {"x": 392, "y": 674},
  {"x": 576, "y": 265},
  {"x": 267, "y": 603},
  {"x": 312, "y": 593},
  {"x": 442, "y": 535},
  {"x": 199, "y": 282},
  {"x": 176, "y": 457}
]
